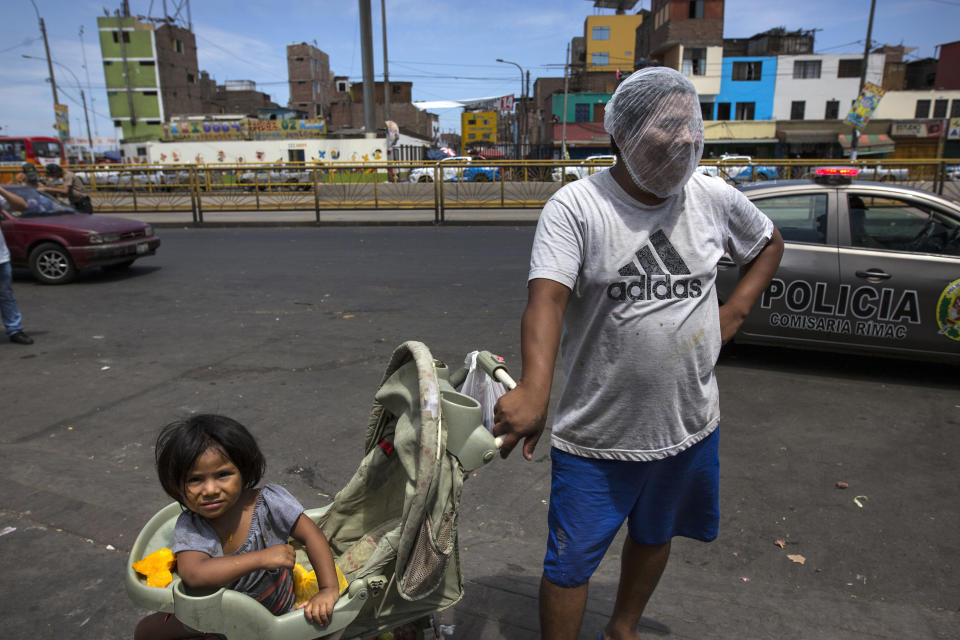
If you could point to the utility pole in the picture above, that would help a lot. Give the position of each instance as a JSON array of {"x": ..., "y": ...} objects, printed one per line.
[
  {"x": 563, "y": 116},
  {"x": 366, "y": 50},
  {"x": 863, "y": 77},
  {"x": 46, "y": 47},
  {"x": 386, "y": 72}
]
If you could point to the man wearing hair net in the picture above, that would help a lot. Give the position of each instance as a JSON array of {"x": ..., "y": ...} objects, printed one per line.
[{"x": 622, "y": 280}]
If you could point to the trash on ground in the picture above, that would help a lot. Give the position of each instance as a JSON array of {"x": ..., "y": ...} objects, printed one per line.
[
  {"x": 7, "y": 530},
  {"x": 796, "y": 557},
  {"x": 859, "y": 500},
  {"x": 842, "y": 485},
  {"x": 780, "y": 543}
]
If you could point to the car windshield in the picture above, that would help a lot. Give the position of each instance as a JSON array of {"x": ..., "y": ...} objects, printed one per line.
[{"x": 38, "y": 204}]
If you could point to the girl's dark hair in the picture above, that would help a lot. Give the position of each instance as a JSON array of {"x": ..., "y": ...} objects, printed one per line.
[{"x": 180, "y": 443}]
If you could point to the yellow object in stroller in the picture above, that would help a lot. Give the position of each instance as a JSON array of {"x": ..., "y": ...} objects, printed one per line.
[{"x": 392, "y": 528}]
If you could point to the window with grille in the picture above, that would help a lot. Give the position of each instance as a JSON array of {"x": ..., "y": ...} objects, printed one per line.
[
  {"x": 723, "y": 111},
  {"x": 806, "y": 69},
  {"x": 955, "y": 109},
  {"x": 747, "y": 70},
  {"x": 923, "y": 109},
  {"x": 940, "y": 108},
  {"x": 601, "y": 33},
  {"x": 797, "y": 107},
  {"x": 581, "y": 113},
  {"x": 850, "y": 68},
  {"x": 600, "y": 58}
]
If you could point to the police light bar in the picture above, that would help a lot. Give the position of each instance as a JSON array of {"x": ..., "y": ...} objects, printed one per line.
[
  {"x": 835, "y": 175},
  {"x": 837, "y": 171}
]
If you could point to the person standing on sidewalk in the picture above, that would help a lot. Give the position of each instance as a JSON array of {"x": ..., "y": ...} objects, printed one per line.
[
  {"x": 622, "y": 280},
  {"x": 9, "y": 310}
]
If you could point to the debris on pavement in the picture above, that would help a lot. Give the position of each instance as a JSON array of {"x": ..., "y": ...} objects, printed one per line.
[
  {"x": 842, "y": 485},
  {"x": 780, "y": 543},
  {"x": 859, "y": 500},
  {"x": 7, "y": 530},
  {"x": 796, "y": 557}
]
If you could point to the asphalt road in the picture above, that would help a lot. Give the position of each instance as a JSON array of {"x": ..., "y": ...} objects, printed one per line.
[{"x": 289, "y": 330}]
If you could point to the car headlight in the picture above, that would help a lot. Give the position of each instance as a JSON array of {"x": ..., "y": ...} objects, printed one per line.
[{"x": 100, "y": 238}]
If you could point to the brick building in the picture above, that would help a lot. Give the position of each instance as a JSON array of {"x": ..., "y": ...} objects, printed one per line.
[
  {"x": 346, "y": 108},
  {"x": 308, "y": 72}
]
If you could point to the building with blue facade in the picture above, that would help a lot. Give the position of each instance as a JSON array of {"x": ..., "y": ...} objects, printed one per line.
[{"x": 747, "y": 87}]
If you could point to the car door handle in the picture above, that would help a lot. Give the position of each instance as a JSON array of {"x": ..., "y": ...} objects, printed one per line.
[{"x": 873, "y": 273}]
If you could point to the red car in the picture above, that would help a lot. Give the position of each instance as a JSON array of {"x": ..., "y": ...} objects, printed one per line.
[{"x": 54, "y": 241}]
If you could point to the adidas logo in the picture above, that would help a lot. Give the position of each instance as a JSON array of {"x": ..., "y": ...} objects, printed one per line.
[{"x": 660, "y": 263}]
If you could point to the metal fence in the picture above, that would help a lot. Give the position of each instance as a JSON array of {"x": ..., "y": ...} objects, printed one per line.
[{"x": 505, "y": 184}]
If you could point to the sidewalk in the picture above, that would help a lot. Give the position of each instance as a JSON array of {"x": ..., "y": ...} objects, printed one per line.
[{"x": 335, "y": 217}]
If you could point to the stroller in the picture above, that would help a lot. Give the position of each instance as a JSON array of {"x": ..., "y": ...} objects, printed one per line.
[{"x": 392, "y": 528}]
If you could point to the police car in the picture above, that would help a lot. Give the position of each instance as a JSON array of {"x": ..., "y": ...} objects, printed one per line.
[{"x": 868, "y": 268}]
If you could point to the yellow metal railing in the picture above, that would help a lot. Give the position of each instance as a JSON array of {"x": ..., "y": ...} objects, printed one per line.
[{"x": 442, "y": 185}]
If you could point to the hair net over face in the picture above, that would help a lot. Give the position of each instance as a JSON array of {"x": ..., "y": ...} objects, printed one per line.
[{"x": 654, "y": 117}]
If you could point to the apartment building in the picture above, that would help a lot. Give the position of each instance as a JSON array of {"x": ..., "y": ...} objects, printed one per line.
[
  {"x": 150, "y": 73},
  {"x": 310, "y": 80}
]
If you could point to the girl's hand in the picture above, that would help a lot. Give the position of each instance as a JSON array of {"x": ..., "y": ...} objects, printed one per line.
[
  {"x": 319, "y": 608},
  {"x": 279, "y": 556}
]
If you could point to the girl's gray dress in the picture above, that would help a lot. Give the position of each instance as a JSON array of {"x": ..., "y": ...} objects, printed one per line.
[{"x": 273, "y": 518}]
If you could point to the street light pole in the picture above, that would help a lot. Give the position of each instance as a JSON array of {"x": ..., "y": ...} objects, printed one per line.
[
  {"x": 519, "y": 125},
  {"x": 83, "y": 99}
]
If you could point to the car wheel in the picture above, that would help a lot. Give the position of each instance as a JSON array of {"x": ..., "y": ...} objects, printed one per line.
[
  {"x": 119, "y": 266},
  {"x": 424, "y": 179},
  {"x": 51, "y": 264}
]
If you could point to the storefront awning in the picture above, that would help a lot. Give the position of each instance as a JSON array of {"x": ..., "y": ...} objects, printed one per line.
[
  {"x": 809, "y": 136},
  {"x": 868, "y": 144}
]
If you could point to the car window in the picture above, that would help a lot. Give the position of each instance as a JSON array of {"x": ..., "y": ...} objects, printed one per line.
[
  {"x": 884, "y": 222},
  {"x": 799, "y": 217},
  {"x": 38, "y": 204}
]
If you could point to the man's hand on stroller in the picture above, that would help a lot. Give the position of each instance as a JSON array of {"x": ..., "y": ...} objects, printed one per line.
[
  {"x": 520, "y": 414},
  {"x": 319, "y": 608}
]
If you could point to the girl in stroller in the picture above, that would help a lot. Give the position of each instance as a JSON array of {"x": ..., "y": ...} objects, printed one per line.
[{"x": 232, "y": 533}]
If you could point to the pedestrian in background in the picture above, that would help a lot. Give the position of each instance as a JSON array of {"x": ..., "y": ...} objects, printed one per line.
[
  {"x": 70, "y": 187},
  {"x": 622, "y": 280},
  {"x": 28, "y": 175},
  {"x": 9, "y": 310}
]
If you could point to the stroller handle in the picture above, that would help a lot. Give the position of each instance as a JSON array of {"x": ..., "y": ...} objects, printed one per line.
[{"x": 496, "y": 368}]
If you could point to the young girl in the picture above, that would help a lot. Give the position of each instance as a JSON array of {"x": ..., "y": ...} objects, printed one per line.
[{"x": 232, "y": 533}]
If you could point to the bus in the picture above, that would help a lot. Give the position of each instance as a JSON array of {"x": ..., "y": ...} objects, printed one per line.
[{"x": 39, "y": 150}]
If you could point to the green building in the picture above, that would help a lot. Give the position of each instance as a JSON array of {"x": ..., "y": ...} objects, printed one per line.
[{"x": 151, "y": 74}]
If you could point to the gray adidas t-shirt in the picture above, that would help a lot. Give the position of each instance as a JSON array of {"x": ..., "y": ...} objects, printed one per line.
[{"x": 641, "y": 333}]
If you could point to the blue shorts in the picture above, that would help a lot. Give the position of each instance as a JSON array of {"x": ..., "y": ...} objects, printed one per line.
[{"x": 591, "y": 497}]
